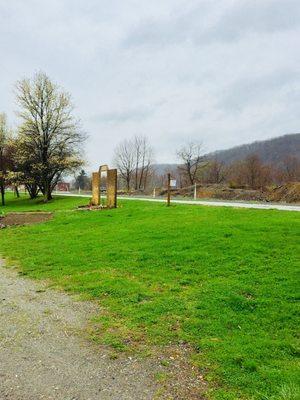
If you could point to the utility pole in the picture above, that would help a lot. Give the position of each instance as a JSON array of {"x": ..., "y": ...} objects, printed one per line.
[{"x": 169, "y": 190}]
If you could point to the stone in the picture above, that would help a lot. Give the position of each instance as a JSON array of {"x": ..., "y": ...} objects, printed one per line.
[
  {"x": 95, "y": 189},
  {"x": 111, "y": 187}
]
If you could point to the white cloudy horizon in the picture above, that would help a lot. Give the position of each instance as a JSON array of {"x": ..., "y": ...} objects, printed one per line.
[{"x": 224, "y": 72}]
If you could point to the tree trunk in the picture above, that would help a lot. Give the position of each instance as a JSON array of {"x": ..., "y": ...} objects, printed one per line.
[
  {"x": 191, "y": 179},
  {"x": 128, "y": 184},
  {"x": 136, "y": 179},
  {"x": 2, "y": 189},
  {"x": 189, "y": 173},
  {"x": 46, "y": 190},
  {"x": 33, "y": 190},
  {"x": 47, "y": 195},
  {"x": 141, "y": 176},
  {"x": 17, "y": 191}
]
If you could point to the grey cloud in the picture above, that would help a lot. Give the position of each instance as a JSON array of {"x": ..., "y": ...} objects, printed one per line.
[
  {"x": 173, "y": 70},
  {"x": 256, "y": 90},
  {"x": 200, "y": 25},
  {"x": 172, "y": 30},
  {"x": 254, "y": 16},
  {"x": 266, "y": 16}
]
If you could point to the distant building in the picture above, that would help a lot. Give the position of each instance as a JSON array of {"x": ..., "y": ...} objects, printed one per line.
[{"x": 63, "y": 187}]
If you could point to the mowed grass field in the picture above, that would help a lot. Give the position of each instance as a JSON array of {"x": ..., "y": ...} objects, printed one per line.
[{"x": 223, "y": 280}]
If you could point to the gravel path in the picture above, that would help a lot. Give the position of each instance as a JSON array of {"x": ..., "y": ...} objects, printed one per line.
[{"x": 42, "y": 356}]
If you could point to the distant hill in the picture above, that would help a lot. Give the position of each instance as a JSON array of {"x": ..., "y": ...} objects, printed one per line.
[
  {"x": 161, "y": 169},
  {"x": 271, "y": 151}
]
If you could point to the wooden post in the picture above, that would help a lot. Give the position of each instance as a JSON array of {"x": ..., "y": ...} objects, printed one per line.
[{"x": 169, "y": 190}]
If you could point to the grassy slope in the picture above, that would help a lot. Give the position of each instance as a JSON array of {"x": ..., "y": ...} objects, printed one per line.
[{"x": 223, "y": 280}]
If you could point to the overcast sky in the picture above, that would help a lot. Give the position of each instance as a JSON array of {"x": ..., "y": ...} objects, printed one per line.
[{"x": 225, "y": 72}]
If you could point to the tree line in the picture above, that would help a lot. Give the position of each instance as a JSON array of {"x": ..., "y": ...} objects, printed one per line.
[
  {"x": 134, "y": 159},
  {"x": 137, "y": 171},
  {"x": 250, "y": 172}
]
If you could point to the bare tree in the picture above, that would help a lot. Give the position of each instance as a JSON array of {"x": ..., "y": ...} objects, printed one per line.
[
  {"x": 215, "y": 171},
  {"x": 137, "y": 158},
  {"x": 49, "y": 137},
  {"x": 290, "y": 169},
  {"x": 191, "y": 156},
  {"x": 133, "y": 158},
  {"x": 124, "y": 161},
  {"x": 254, "y": 171},
  {"x": 143, "y": 161},
  {"x": 250, "y": 172}
]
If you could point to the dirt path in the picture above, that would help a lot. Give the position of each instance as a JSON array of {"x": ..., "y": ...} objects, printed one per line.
[{"x": 42, "y": 356}]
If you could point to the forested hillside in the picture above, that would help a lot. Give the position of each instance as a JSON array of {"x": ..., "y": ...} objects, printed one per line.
[{"x": 270, "y": 151}]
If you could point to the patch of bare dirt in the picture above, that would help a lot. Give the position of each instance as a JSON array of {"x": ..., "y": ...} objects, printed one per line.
[
  {"x": 290, "y": 193},
  {"x": 25, "y": 218},
  {"x": 227, "y": 193},
  {"x": 90, "y": 207},
  {"x": 180, "y": 379}
]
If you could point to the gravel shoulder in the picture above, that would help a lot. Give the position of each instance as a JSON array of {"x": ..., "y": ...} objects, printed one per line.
[{"x": 44, "y": 356}]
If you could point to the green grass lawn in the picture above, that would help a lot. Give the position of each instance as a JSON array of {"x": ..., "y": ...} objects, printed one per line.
[{"x": 223, "y": 280}]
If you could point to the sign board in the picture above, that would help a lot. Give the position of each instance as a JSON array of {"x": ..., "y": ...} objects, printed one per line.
[{"x": 173, "y": 182}]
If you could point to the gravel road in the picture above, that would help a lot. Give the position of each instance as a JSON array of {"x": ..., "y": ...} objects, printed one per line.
[{"x": 43, "y": 355}]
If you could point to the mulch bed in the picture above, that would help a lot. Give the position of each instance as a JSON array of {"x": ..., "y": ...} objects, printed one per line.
[
  {"x": 13, "y": 219},
  {"x": 93, "y": 208}
]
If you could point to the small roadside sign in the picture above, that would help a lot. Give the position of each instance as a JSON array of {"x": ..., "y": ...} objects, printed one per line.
[{"x": 171, "y": 183}]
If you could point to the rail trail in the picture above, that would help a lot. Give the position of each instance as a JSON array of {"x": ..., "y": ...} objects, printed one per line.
[{"x": 259, "y": 206}]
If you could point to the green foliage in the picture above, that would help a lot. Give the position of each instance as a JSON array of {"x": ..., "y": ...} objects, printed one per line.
[{"x": 223, "y": 280}]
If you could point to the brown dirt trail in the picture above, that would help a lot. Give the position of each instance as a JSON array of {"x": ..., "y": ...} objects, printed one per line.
[{"x": 43, "y": 356}]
